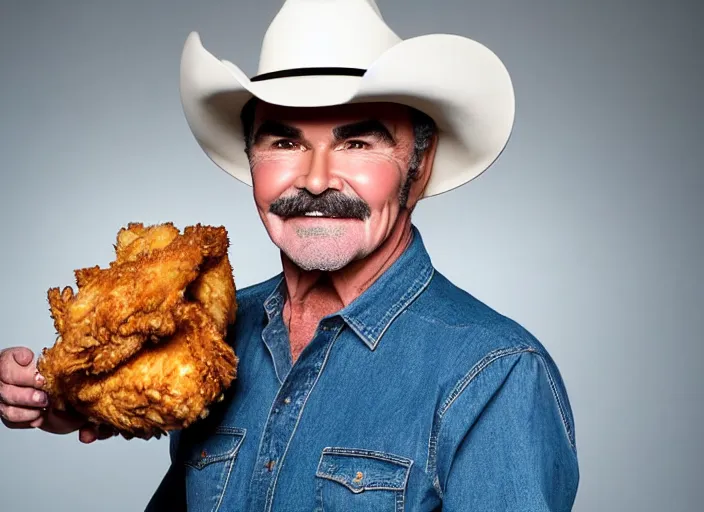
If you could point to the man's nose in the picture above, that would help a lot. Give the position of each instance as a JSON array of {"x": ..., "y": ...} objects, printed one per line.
[{"x": 320, "y": 175}]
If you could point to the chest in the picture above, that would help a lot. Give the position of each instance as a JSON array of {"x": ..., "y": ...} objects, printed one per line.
[
  {"x": 344, "y": 428},
  {"x": 301, "y": 332},
  {"x": 302, "y": 322}
]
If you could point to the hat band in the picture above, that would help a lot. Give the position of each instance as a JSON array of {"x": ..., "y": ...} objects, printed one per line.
[{"x": 285, "y": 73}]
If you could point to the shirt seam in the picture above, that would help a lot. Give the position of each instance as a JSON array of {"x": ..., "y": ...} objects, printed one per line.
[
  {"x": 229, "y": 470},
  {"x": 566, "y": 423},
  {"x": 461, "y": 385},
  {"x": 464, "y": 382}
]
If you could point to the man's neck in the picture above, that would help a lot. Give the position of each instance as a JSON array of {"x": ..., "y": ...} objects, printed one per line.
[{"x": 312, "y": 295}]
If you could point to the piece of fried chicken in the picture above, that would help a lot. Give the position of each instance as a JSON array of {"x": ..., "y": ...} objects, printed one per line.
[
  {"x": 166, "y": 385},
  {"x": 117, "y": 309},
  {"x": 137, "y": 241},
  {"x": 214, "y": 287},
  {"x": 181, "y": 281}
]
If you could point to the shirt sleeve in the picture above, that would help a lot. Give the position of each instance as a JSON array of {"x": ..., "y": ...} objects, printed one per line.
[
  {"x": 518, "y": 452},
  {"x": 170, "y": 495}
]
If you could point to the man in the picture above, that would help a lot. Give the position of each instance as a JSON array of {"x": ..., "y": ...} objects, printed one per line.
[{"x": 367, "y": 381}]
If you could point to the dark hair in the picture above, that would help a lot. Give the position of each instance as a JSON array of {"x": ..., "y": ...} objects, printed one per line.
[
  {"x": 247, "y": 117},
  {"x": 424, "y": 129}
]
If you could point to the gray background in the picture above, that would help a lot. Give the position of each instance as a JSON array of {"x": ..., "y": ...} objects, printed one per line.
[{"x": 587, "y": 230}]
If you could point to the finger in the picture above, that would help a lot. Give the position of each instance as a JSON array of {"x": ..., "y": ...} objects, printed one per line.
[
  {"x": 13, "y": 372},
  {"x": 22, "y": 355},
  {"x": 23, "y": 397},
  {"x": 19, "y": 414},
  {"x": 88, "y": 434},
  {"x": 61, "y": 422},
  {"x": 12, "y": 425}
]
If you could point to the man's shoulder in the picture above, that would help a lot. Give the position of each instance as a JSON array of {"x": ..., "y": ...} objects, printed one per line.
[
  {"x": 469, "y": 338},
  {"x": 463, "y": 318},
  {"x": 466, "y": 335}
]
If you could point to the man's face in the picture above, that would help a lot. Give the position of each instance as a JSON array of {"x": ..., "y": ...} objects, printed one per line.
[{"x": 327, "y": 181}]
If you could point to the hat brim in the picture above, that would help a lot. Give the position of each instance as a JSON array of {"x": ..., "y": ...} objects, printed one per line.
[{"x": 458, "y": 82}]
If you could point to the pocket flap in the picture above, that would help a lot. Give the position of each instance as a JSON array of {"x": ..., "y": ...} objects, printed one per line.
[
  {"x": 364, "y": 470},
  {"x": 220, "y": 445}
]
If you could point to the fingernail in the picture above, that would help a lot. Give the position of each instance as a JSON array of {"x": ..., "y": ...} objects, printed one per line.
[
  {"x": 39, "y": 397},
  {"x": 39, "y": 379}
]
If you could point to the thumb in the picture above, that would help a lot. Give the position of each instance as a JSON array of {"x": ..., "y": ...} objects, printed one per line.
[
  {"x": 88, "y": 433},
  {"x": 22, "y": 355}
]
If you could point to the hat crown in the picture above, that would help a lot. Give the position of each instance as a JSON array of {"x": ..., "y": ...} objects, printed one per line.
[{"x": 325, "y": 33}]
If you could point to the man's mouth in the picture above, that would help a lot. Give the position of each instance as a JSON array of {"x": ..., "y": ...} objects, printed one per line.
[
  {"x": 321, "y": 215},
  {"x": 329, "y": 205}
]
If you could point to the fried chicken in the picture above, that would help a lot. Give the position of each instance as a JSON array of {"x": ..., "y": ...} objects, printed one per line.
[
  {"x": 141, "y": 344},
  {"x": 214, "y": 289},
  {"x": 167, "y": 385}
]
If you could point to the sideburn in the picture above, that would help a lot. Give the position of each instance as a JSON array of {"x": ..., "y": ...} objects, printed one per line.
[{"x": 405, "y": 189}]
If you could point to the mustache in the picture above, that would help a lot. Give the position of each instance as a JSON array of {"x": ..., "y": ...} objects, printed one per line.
[{"x": 331, "y": 203}]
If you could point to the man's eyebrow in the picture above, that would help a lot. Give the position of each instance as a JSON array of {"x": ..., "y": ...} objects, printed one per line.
[
  {"x": 363, "y": 128},
  {"x": 276, "y": 129}
]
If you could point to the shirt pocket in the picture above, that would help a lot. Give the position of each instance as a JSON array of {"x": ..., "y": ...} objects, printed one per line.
[
  {"x": 209, "y": 460},
  {"x": 361, "y": 480}
]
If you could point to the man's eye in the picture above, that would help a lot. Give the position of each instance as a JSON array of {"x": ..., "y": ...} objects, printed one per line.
[
  {"x": 285, "y": 144},
  {"x": 356, "y": 144}
]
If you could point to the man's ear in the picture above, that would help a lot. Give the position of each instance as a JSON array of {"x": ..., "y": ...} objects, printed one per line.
[{"x": 424, "y": 170}]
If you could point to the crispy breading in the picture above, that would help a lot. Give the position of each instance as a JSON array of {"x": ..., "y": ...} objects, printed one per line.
[
  {"x": 136, "y": 240},
  {"x": 167, "y": 385},
  {"x": 141, "y": 344},
  {"x": 117, "y": 309},
  {"x": 214, "y": 288}
]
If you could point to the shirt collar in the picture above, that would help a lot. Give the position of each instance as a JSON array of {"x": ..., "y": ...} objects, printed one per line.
[{"x": 371, "y": 314}]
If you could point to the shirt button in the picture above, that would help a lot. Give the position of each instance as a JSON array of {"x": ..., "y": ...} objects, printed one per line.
[
  {"x": 270, "y": 465},
  {"x": 287, "y": 400}
]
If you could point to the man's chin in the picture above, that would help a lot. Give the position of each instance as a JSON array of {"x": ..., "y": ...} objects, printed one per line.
[
  {"x": 321, "y": 266},
  {"x": 319, "y": 262},
  {"x": 321, "y": 244}
]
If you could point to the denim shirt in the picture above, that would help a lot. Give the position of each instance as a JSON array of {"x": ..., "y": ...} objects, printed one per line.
[{"x": 415, "y": 397}]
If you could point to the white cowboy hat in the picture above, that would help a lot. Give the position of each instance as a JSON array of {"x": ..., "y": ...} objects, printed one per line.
[{"x": 330, "y": 52}]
